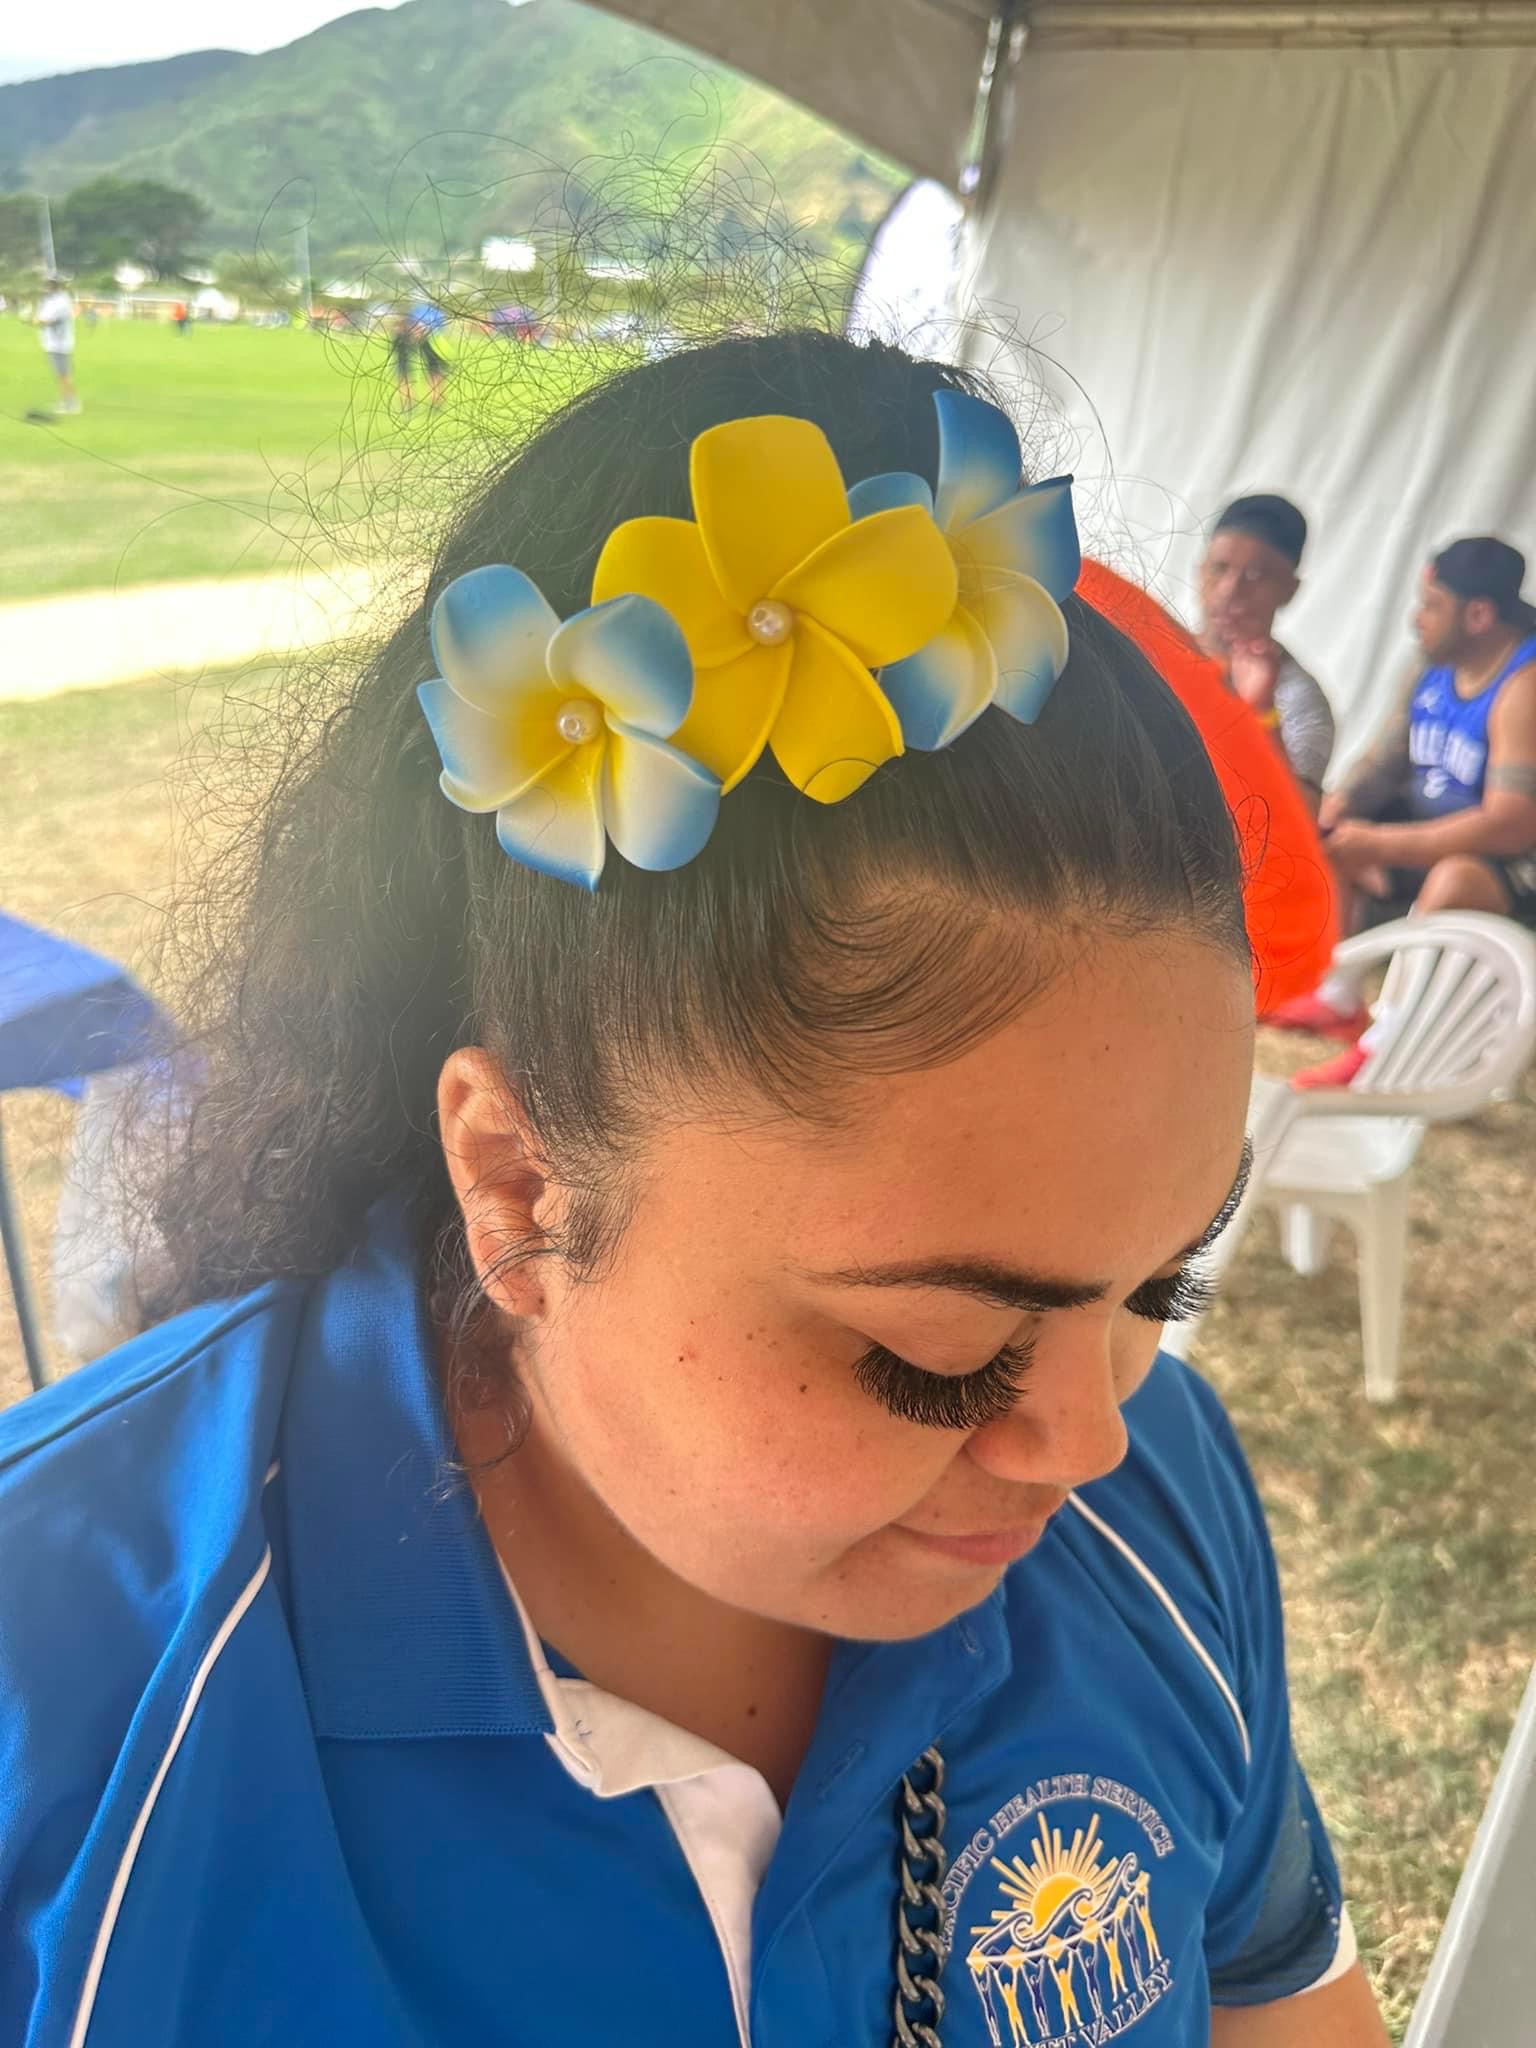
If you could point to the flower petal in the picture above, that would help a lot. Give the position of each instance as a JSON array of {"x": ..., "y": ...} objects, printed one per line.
[
  {"x": 766, "y": 492},
  {"x": 1029, "y": 638},
  {"x": 884, "y": 586},
  {"x": 664, "y": 559},
  {"x": 733, "y": 710},
  {"x": 979, "y": 462},
  {"x": 885, "y": 493},
  {"x": 631, "y": 656},
  {"x": 836, "y": 725},
  {"x": 490, "y": 758},
  {"x": 557, "y": 826},
  {"x": 659, "y": 805},
  {"x": 946, "y": 686},
  {"x": 489, "y": 631},
  {"x": 1034, "y": 534}
]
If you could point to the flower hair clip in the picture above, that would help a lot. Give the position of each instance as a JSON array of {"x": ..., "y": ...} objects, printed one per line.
[
  {"x": 1016, "y": 556},
  {"x": 832, "y": 627},
  {"x": 788, "y": 602},
  {"x": 562, "y": 730}
]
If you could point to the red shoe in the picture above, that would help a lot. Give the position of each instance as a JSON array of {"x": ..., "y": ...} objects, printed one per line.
[
  {"x": 1311, "y": 1013},
  {"x": 1338, "y": 1072}
]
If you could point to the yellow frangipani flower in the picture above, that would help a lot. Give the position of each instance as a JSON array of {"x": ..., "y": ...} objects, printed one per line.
[{"x": 787, "y": 604}]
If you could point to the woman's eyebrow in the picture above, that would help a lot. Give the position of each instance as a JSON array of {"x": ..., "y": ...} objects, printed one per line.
[
  {"x": 997, "y": 1285},
  {"x": 1001, "y": 1286},
  {"x": 1229, "y": 1207}
]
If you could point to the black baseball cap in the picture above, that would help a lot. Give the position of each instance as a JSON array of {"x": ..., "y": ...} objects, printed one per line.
[
  {"x": 1271, "y": 519},
  {"x": 1490, "y": 568}
]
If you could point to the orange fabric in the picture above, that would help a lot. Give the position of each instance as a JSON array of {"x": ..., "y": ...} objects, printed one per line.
[{"x": 1289, "y": 894}]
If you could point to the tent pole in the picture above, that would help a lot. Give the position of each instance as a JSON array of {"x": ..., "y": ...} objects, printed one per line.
[
  {"x": 21, "y": 1286},
  {"x": 1312, "y": 24},
  {"x": 984, "y": 144}
]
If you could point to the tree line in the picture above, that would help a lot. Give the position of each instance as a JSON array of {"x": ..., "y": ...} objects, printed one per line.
[{"x": 103, "y": 223}]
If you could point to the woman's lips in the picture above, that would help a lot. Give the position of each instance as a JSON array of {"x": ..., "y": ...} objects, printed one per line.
[{"x": 987, "y": 1547}]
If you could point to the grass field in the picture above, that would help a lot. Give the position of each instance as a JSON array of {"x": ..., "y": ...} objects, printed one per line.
[
  {"x": 1405, "y": 1535},
  {"x": 232, "y": 450}
]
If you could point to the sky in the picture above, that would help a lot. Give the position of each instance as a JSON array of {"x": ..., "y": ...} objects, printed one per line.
[{"x": 36, "y": 41}]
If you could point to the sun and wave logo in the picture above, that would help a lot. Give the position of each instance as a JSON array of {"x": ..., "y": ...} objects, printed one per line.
[{"x": 1071, "y": 1957}]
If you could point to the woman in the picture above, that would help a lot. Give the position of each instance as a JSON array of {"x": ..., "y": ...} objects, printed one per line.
[{"x": 656, "y": 1518}]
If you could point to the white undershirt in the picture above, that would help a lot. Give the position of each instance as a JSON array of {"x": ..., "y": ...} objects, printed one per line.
[{"x": 725, "y": 1817}]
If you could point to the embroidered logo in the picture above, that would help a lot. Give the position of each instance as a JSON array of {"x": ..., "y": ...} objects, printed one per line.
[{"x": 1070, "y": 1957}]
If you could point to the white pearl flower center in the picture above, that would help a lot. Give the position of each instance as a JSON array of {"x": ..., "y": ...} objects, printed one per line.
[
  {"x": 578, "y": 721},
  {"x": 770, "y": 623}
]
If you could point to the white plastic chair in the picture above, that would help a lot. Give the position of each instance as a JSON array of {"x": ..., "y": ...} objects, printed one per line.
[{"x": 1454, "y": 1026}]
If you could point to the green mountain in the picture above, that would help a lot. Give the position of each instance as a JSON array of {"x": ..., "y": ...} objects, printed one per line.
[{"x": 419, "y": 130}]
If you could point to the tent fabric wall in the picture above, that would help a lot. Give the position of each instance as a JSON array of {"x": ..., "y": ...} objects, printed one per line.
[{"x": 1296, "y": 270}]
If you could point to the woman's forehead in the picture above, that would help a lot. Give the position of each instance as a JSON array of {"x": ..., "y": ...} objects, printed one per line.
[{"x": 1119, "y": 1096}]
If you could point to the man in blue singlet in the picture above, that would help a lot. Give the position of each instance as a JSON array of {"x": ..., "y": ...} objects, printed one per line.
[{"x": 1441, "y": 815}]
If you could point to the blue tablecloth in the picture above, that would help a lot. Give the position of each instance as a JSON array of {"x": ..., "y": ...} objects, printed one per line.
[{"x": 66, "y": 1012}]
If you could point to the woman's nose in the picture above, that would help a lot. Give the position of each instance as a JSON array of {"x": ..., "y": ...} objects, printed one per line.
[{"x": 1066, "y": 1427}]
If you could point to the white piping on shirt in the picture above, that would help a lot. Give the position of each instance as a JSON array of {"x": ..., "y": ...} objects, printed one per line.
[
  {"x": 1145, "y": 1572},
  {"x": 115, "y": 1897},
  {"x": 1345, "y": 1956}
]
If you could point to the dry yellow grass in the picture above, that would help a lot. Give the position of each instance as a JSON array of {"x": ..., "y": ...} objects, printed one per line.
[
  {"x": 88, "y": 839},
  {"x": 1405, "y": 1535}
]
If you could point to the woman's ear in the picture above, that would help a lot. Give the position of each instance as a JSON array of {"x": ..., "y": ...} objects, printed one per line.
[{"x": 499, "y": 1177}]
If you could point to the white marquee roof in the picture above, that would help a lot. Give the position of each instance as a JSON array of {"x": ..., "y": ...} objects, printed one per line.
[{"x": 902, "y": 75}]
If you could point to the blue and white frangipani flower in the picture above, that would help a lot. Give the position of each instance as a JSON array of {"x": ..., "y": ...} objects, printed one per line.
[
  {"x": 562, "y": 730},
  {"x": 1016, "y": 550}
]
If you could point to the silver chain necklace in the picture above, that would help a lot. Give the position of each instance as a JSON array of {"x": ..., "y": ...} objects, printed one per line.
[{"x": 918, "y": 2007}]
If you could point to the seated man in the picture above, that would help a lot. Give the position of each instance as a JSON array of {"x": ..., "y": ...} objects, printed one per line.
[
  {"x": 1442, "y": 813},
  {"x": 1248, "y": 572}
]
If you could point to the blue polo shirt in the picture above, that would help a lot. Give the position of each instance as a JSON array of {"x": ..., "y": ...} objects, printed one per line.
[{"x": 282, "y": 1762}]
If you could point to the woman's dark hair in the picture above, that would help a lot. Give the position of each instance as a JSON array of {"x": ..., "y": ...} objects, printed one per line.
[{"x": 376, "y": 928}]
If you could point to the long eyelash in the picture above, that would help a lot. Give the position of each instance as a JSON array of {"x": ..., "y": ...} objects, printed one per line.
[
  {"x": 969, "y": 1401},
  {"x": 1175, "y": 1300}
]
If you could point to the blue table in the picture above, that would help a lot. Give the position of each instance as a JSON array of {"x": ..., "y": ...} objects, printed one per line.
[{"x": 65, "y": 1013}]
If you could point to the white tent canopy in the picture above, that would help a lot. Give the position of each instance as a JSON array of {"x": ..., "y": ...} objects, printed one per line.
[
  {"x": 1257, "y": 246},
  {"x": 1302, "y": 271}
]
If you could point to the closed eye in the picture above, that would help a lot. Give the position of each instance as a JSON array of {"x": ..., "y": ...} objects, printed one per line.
[
  {"x": 936, "y": 1400},
  {"x": 1177, "y": 1299}
]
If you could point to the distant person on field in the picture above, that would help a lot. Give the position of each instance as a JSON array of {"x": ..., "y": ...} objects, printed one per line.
[
  {"x": 1441, "y": 814},
  {"x": 56, "y": 330},
  {"x": 181, "y": 316},
  {"x": 409, "y": 341},
  {"x": 1248, "y": 573}
]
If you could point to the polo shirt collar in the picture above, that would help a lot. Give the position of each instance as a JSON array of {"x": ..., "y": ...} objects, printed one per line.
[
  {"x": 399, "y": 1613},
  {"x": 609, "y": 1744}
]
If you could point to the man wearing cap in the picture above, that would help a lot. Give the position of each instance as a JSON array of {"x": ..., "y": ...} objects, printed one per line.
[
  {"x": 1442, "y": 814},
  {"x": 1249, "y": 570},
  {"x": 56, "y": 330}
]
